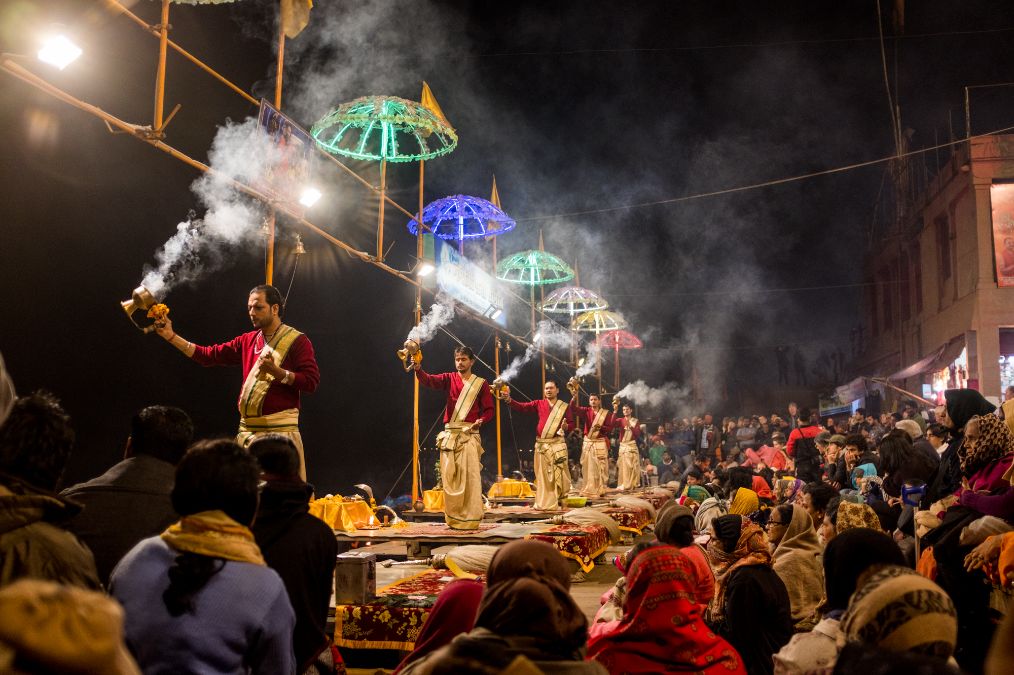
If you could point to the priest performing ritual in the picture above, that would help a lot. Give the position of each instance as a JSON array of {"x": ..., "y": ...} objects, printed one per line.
[
  {"x": 552, "y": 477},
  {"x": 629, "y": 463},
  {"x": 597, "y": 424},
  {"x": 278, "y": 364},
  {"x": 469, "y": 406}
]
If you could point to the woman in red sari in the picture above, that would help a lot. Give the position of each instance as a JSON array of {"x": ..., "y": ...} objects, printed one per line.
[{"x": 662, "y": 629}]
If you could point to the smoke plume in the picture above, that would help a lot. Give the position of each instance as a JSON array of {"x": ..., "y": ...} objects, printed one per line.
[
  {"x": 591, "y": 359},
  {"x": 548, "y": 334},
  {"x": 240, "y": 152},
  {"x": 439, "y": 315},
  {"x": 669, "y": 396}
]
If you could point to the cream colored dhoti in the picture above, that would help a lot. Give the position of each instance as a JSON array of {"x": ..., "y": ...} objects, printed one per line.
[
  {"x": 594, "y": 466},
  {"x": 460, "y": 474},
  {"x": 629, "y": 466},
  {"x": 284, "y": 423},
  {"x": 552, "y": 477}
]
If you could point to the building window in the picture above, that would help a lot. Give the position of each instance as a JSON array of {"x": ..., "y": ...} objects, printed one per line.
[
  {"x": 905, "y": 286},
  {"x": 917, "y": 275}
]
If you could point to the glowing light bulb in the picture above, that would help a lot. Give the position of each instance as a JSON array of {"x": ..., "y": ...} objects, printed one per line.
[
  {"x": 309, "y": 196},
  {"x": 59, "y": 51},
  {"x": 425, "y": 269}
]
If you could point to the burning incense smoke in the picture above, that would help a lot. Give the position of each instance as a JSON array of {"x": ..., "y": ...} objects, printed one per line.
[
  {"x": 240, "y": 152},
  {"x": 547, "y": 334},
  {"x": 439, "y": 315},
  {"x": 669, "y": 396},
  {"x": 591, "y": 359}
]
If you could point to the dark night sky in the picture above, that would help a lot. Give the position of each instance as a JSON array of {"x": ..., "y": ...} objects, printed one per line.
[{"x": 575, "y": 106}]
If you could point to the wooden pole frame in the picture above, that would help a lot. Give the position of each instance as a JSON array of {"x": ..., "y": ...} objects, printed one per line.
[{"x": 163, "y": 43}]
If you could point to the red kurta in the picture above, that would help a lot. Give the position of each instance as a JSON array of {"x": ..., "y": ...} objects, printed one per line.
[
  {"x": 453, "y": 385},
  {"x": 587, "y": 417},
  {"x": 542, "y": 407},
  {"x": 621, "y": 424},
  {"x": 245, "y": 349}
]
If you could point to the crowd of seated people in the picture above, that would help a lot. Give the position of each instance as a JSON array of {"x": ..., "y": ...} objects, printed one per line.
[{"x": 198, "y": 556}]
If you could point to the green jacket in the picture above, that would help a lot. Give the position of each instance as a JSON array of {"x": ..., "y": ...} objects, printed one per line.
[{"x": 33, "y": 545}]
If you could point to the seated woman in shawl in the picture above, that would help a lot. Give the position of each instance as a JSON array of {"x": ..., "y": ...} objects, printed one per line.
[
  {"x": 795, "y": 552},
  {"x": 452, "y": 615},
  {"x": 845, "y": 560},
  {"x": 674, "y": 527},
  {"x": 200, "y": 598},
  {"x": 526, "y": 616},
  {"x": 745, "y": 584},
  {"x": 985, "y": 455},
  {"x": 896, "y": 609},
  {"x": 662, "y": 629},
  {"x": 843, "y": 515}
]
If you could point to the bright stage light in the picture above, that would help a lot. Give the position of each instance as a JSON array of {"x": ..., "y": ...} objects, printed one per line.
[
  {"x": 425, "y": 269},
  {"x": 59, "y": 51},
  {"x": 309, "y": 197},
  {"x": 496, "y": 314}
]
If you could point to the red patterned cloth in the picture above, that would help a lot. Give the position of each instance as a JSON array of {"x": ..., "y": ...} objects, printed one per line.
[
  {"x": 395, "y": 617},
  {"x": 662, "y": 629},
  {"x": 630, "y": 519},
  {"x": 582, "y": 543}
]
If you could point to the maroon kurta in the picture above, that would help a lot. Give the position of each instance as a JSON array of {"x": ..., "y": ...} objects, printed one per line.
[
  {"x": 542, "y": 407},
  {"x": 245, "y": 350},
  {"x": 620, "y": 423},
  {"x": 586, "y": 416},
  {"x": 453, "y": 385}
]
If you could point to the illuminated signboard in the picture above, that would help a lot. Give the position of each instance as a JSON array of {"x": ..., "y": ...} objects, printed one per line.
[{"x": 469, "y": 284}]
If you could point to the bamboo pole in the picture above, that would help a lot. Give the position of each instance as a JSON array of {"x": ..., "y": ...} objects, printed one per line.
[
  {"x": 617, "y": 367},
  {"x": 418, "y": 318},
  {"x": 163, "y": 41},
  {"x": 496, "y": 400},
  {"x": 115, "y": 6},
  {"x": 380, "y": 215},
  {"x": 281, "y": 63},
  {"x": 598, "y": 362},
  {"x": 269, "y": 262},
  {"x": 542, "y": 296}
]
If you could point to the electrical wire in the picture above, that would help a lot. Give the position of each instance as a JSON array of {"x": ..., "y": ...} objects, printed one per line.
[{"x": 769, "y": 183}]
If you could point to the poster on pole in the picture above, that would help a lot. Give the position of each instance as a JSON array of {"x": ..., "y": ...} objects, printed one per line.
[
  {"x": 1002, "y": 200},
  {"x": 288, "y": 174}
]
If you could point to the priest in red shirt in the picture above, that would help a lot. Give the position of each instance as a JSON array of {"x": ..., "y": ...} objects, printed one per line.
[
  {"x": 469, "y": 406},
  {"x": 597, "y": 424},
  {"x": 552, "y": 477},
  {"x": 278, "y": 364},
  {"x": 629, "y": 462}
]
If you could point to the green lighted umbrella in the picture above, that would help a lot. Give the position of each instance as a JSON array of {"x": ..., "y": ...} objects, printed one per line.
[
  {"x": 534, "y": 268},
  {"x": 384, "y": 128}
]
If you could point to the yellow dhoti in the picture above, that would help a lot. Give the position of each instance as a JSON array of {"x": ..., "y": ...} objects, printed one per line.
[
  {"x": 284, "y": 423},
  {"x": 552, "y": 478},
  {"x": 460, "y": 467},
  {"x": 629, "y": 466},
  {"x": 594, "y": 466}
]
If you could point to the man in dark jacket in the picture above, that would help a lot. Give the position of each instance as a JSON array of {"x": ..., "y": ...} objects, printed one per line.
[
  {"x": 35, "y": 442},
  {"x": 300, "y": 547},
  {"x": 131, "y": 501}
]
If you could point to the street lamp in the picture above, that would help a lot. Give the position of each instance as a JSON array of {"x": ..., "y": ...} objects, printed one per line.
[{"x": 59, "y": 51}]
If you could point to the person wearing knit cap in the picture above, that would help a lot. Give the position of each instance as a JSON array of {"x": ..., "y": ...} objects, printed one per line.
[
  {"x": 751, "y": 608},
  {"x": 919, "y": 441},
  {"x": 674, "y": 526},
  {"x": 897, "y": 609},
  {"x": 49, "y": 628}
]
